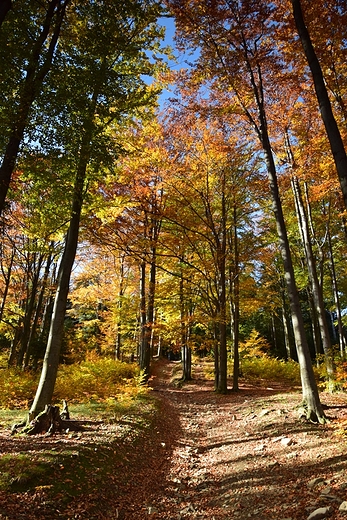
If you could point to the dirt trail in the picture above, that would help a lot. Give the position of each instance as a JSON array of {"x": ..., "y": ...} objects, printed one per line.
[
  {"x": 247, "y": 455},
  {"x": 207, "y": 456}
]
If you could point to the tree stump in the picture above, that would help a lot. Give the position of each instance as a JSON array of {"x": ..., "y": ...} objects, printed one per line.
[{"x": 48, "y": 422}]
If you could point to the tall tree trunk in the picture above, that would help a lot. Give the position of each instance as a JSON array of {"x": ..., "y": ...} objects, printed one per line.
[
  {"x": 150, "y": 307},
  {"x": 216, "y": 356},
  {"x": 221, "y": 243},
  {"x": 333, "y": 133},
  {"x": 342, "y": 339},
  {"x": 29, "y": 310},
  {"x": 316, "y": 289},
  {"x": 35, "y": 75},
  {"x": 309, "y": 386},
  {"x": 38, "y": 311},
  {"x": 317, "y": 339},
  {"x": 7, "y": 279},
  {"x": 49, "y": 371},
  {"x": 286, "y": 333},
  {"x": 144, "y": 358},
  {"x": 185, "y": 349},
  {"x": 235, "y": 287},
  {"x": 120, "y": 304}
]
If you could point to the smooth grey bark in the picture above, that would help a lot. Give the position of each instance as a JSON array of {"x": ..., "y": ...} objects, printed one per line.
[
  {"x": 235, "y": 288},
  {"x": 317, "y": 339},
  {"x": 311, "y": 401},
  {"x": 286, "y": 332},
  {"x": 222, "y": 387},
  {"x": 332, "y": 130},
  {"x": 49, "y": 371},
  {"x": 309, "y": 386},
  {"x": 151, "y": 301},
  {"x": 316, "y": 289},
  {"x": 35, "y": 75},
  {"x": 342, "y": 339}
]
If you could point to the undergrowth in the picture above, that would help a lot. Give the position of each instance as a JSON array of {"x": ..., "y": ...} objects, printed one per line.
[
  {"x": 96, "y": 380},
  {"x": 272, "y": 369}
]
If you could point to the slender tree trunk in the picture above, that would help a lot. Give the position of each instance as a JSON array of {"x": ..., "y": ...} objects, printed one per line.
[
  {"x": 33, "y": 331},
  {"x": 120, "y": 304},
  {"x": 144, "y": 343},
  {"x": 221, "y": 288},
  {"x": 317, "y": 339},
  {"x": 35, "y": 75},
  {"x": 216, "y": 357},
  {"x": 7, "y": 279},
  {"x": 236, "y": 303},
  {"x": 185, "y": 349},
  {"x": 46, "y": 384},
  {"x": 333, "y": 133},
  {"x": 14, "y": 343},
  {"x": 29, "y": 310},
  {"x": 286, "y": 333},
  {"x": 273, "y": 332},
  {"x": 342, "y": 339},
  {"x": 317, "y": 294},
  {"x": 309, "y": 386},
  {"x": 150, "y": 308}
]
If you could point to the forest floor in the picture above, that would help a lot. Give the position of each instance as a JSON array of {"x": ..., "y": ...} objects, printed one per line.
[{"x": 195, "y": 455}]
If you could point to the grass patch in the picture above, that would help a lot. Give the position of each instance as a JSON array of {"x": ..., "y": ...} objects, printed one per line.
[{"x": 10, "y": 417}]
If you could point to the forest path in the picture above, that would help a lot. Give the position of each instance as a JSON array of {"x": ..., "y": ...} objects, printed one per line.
[
  {"x": 247, "y": 455},
  {"x": 201, "y": 456}
]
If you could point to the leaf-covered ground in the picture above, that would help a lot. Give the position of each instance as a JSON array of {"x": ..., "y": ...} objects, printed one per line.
[{"x": 195, "y": 454}]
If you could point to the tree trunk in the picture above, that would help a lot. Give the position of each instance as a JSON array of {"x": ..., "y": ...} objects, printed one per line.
[
  {"x": 235, "y": 287},
  {"x": 316, "y": 289},
  {"x": 333, "y": 133},
  {"x": 144, "y": 354},
  {"x": 7, "y": 279},
  {"x": 216, "y": 357},
  {"x": 29, "y": 310},
  {"x": 46, "y": 385},
  {"x": 309, "y": 386},
  {"x": 286, "y": 333},
  {"x": 33, "y": 331},
  {"x": 120, "y": 304},
  {"x": 35, "y": 75},
  {"x": 342, "y": 339},
  {"x": 185, "y": 349},
  {"x": 221, "y": 244}
]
